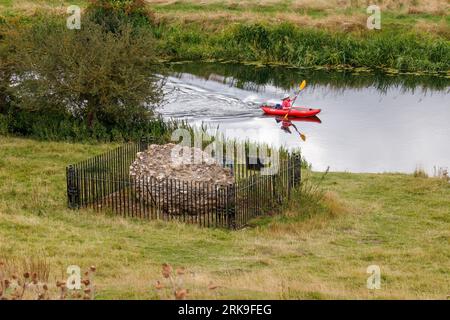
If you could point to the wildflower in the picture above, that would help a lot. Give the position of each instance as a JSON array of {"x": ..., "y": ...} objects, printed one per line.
[
  {"x": 166, "y": 270},
  {"x": 158, "y": 285},
  {"x": 181, "y": 294}
]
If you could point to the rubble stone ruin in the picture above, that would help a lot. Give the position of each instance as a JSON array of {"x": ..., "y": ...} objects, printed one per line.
[{"x": 181, "y": 180}]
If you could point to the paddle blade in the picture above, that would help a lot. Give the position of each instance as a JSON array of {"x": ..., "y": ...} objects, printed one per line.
[
  {"x": 302, "y": 85},
  {"x": 303, "y": 136}
]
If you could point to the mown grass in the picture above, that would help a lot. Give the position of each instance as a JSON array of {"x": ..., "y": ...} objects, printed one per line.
[{"x": 398, "y": 222}]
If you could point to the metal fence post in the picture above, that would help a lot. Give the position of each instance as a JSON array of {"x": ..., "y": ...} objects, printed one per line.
[
  {"x": 231, "y": 206},
  {"x": 298, "y": 168},
  {"x": 73, "y": 193},
  {"x": 143, "y": 144}
]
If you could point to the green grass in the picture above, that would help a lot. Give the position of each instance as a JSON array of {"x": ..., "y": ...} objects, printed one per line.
[{"x": 398, "y": 222}]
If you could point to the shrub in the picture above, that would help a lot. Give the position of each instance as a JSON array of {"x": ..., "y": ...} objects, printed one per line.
[
  {"x": 111, "y": 14},
  {"x": 6, "y": 67},
  {"x": 3, "y": 125}
]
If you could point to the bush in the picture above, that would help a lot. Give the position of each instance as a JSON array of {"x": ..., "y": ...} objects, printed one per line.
[
  {"x": 66, "y": 127},
  {"x": 3, "y": 125},
  {"x": 6, "y": 67},
  {"x": 111, "y": 14}
]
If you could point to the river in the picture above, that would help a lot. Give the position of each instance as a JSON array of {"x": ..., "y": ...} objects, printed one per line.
[{"x": 370, "y": 122}]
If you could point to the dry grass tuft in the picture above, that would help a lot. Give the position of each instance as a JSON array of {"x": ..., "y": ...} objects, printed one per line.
[
  {"x": 335, "y": 205},
  {"x": 36, "y": 266},
  {"x": 28, "y": 7},
  {"x": 440, "y": 28}
]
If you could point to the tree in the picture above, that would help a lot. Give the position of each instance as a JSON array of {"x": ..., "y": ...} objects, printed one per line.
[
  {"x": 94, "y": 74},
  {"x": 6, "y": 67}
]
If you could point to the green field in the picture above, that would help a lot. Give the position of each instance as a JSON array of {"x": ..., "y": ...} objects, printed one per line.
[
  {"x": 396, "y": 221},
  {"x": 429, "y": 16}
]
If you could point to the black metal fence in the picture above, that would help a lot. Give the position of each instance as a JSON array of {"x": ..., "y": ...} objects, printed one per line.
[{"x": 104, "y": 183}]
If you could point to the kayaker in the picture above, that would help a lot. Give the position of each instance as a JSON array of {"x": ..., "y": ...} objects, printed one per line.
[
  {"x": 285, "y": 124},
  {"x": 286, "y": 102}
]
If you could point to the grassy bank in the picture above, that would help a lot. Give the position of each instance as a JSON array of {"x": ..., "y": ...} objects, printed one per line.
[
  {"x": 290, "y": 45},
  {"x": 398, "y": 222},
  {"x": 414, "y": 37}
]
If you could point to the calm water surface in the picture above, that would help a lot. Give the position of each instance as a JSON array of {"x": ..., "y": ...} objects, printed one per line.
[{"x": 368, "y": 123}]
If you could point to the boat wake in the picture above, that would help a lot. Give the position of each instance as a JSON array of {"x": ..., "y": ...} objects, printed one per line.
[{"x": 194, "y": 98}]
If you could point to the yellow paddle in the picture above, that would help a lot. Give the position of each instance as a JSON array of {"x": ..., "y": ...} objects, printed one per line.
[
  {"x": 302, "y": 136},
  {"x": 301, "y": 87}
]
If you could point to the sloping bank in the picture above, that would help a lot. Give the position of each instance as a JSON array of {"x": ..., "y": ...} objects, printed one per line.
[{"x": 305, "y": 47}]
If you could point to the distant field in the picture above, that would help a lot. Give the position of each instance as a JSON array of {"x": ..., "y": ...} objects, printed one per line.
[
  {"x": 336, "y": 15},
  {"x": 398, "y": 222}
]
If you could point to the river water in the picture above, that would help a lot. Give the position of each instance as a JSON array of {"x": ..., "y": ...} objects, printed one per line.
[{"x": 369, "y": 122}]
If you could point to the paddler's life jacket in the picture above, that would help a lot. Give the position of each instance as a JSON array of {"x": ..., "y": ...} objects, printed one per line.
[{"x": 286, "y": 104}]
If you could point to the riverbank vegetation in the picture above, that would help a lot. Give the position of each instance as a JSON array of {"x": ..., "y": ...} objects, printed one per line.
[
  {"x": 289, "y": 45},
  {"x": 396, "y": 221},
  {"x": 101, "y": 82},
  {"x": 414, "y": 36}
]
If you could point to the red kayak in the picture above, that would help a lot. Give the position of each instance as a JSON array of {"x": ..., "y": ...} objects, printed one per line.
[{"x": 300, "y": 112}]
